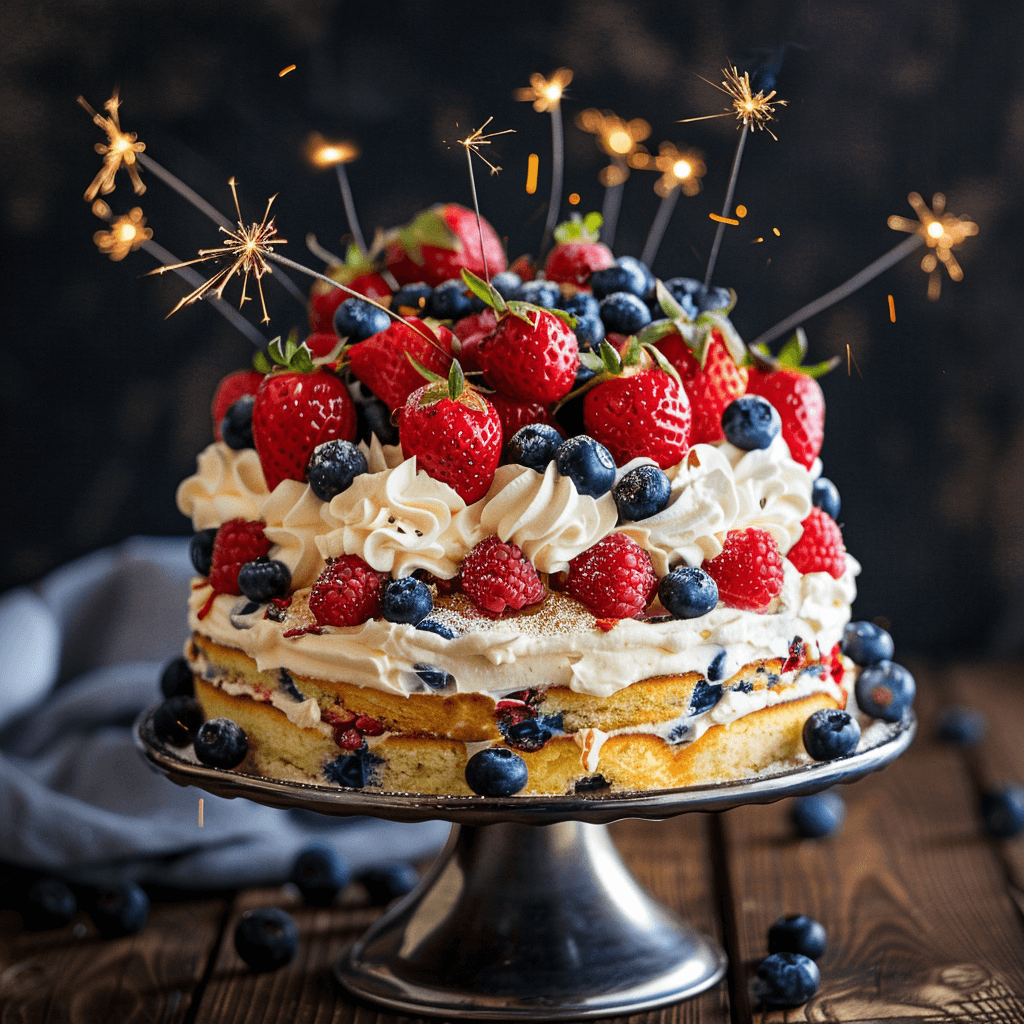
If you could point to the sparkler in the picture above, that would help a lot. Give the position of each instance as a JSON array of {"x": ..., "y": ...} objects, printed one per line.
[
  {"x": 126, "y": 233},
  {"x": 472, "y": 143},
  {"x": 546, "y": 95},
  {"x": 122, "y": 150},
  {"x": 681, "y": 171},
  {"x": 337, "y": 154}
]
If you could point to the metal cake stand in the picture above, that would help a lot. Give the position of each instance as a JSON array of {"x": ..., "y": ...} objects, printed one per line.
[{"x": 515, "y": 922}]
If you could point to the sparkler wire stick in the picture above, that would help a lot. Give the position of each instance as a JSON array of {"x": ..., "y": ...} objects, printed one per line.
[
  {"x": 612, "y": 204},
  {"x": 657, "y": 232},
  {"x": 726, "y": 207},
  {"x": 350, "y": 207},
  {"x": 476, "y": 208},
  {"x": 557, "y": 169}
]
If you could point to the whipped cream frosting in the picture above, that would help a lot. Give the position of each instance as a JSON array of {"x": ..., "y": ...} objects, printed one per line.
[
  {"x": 227, "y": 484},
  {"x": 294, "y": 519}
]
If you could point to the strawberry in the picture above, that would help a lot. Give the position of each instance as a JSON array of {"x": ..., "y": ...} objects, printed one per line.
[
  {"x": 359, "y": 274},
  {"x": 497, "y": 576},
  {"x": 437, "y": 243},
  {"x": 238, "y": 541},
  {"x": 820, "y": 547},
  {"x": 229, "y": 391},
  {"x": 347, "y": 592},
  {"x": 381, "y": 362},
  {"x": 321, "y": 345},
  {"x": 578, "y": 253},
  {"x": 297, "y": 408},
  {"x": 614, "y": 579},
  {"x": 636, "y": 406},
  {"x": 801, "y": 405},
  {"x": 515, "y": 414},
  {"x": 455, "y": 434},
  {"x": 471, "y": 331},
  {"x": 748, "y": 571}
]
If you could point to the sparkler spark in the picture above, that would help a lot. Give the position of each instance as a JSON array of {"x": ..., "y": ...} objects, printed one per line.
[
  {"x": 941, "y": 232},
  {"x": 750, "y": 110},
  {"x": 249, "y": 249},
  {"x": 545, "y": 93},
  {"x": 120, "y": 151},
  {"x": 125, "y": 234},
  {"x": 476, "y": 138},
  {"x": 680, "y": 168}
]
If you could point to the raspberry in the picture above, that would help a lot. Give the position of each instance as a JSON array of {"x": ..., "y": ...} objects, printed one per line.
[
  {"x": 496, "y": 576},
  {"x": 748, "y": 571},
  {"x": 347, "y": 592},
  {"x": 614, "y": 578},
  {"x": 238, "y": 541},
  {"x": 820, "y": 547}
]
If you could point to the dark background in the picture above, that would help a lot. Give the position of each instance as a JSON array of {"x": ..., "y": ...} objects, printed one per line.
[{"x": 105, "y": 403}]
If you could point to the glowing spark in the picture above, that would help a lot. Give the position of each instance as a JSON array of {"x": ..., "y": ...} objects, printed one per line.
[
  {"x": 545, "y": 93},
  {"x": 680, "y": 168},
  {"x": 776, "y": 232},
  {"x": 124, "y": 235},
  {"x": 326, "y": 154},
  {"x": 618, "y": 138},
  {"x": 892, "y": 309},
  {"x": 741, "y": 211},
  {"x": 284, "y": 71},
  {"x": 476, "y": 138},
  {"x": 574, "y": 199},
  {"x": 120, "y": 151},
  {"x": 532, "y": 169},
  {"x": 942, "y": 232},
  {"x": 723, "y": 220},
  {"x": 752, "y": 111},
  {"x": 247, "y": 247}
]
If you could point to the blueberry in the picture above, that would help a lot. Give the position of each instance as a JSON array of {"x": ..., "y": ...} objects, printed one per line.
[
  {"x": 332, "y": 468},
  {"x": 353, "y": 771},
  {"x": 533, "y": 446},
  {"x": 712, "y": 299},
  {"x": 177, "y": 720},
  {"x": 721, "y": 667},
  {"x": 320, "y": 875},
  {"x": 245, "y": 614},
  {"x": 200, "y": 550},
  {"x": 532, "y": 733},
  {"x": 589, "y": 332},
  {"x": 786, "y": 979},
  {"x": 496, "y": 771},
  {"x": 587, "y": 463},
  {"x": 688, "y": 592},
  {"x": 628, "y": 275},
  {"x": 236, "y": 427},
  {"x": 704, "y": 697},
  {"x": 412, "y": 299},
  {"x": 624, "y": 313},
  {"x": 430, "y": 626},
  {"x": 406, "y": 600},
  {"x": 120, "y": 910},
  {"x": 266, "y": 938},
  {"x": 751, "y": 422},
  {"x": 450, "y": 301},
  {"x": 641, "y": 493},
  {"x": 1002, "y": 811},
  {"x": 798, "y": 933},
  {"x": 825, "y": 495},
  {"x": 263, "y": 579},
  {"x": 830, "y": 733},
  {"x": 864, "y": 643},
  {"x": 357, "y": 320},
  {"x": 176, "y": 679},
  {"x": 221, "y": 743},
  {"x": 388, "y": 881},
  {"x": 818, "y": 815},
  {"x": 583, "y": 374},
  {"x": 685, "y": 291},
  {"x": 432, "y": 676},
  {"x": 374, "y": 417},
  {"x": 963, "y": 726},
  {"x": 506, "y": 284},
  {"x": 49, "y": 903},
  {"x": 581, "y": 304},
  {"x": 545, "y": 294},
  {"x": 885, "y": 690}
]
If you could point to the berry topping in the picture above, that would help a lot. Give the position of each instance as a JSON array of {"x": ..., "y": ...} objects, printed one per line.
[
  {"x": 121, "y": 910},
  {"x": 263, "y": 579},
  {"x": 624, "y": 313},
  {"x": 238, "y": 541},
  {"x": 688, "y": 593},
  {"x": 1002, "y": 811},
  {"x": 533, "y": 446},
  {"x": 374, "y": 417},
  {"x": 266, "y": 938},
  {"x": 347, "y": 592},
  {"x": 829, "y": 733},
  {"x": 628, "y": 275},
  {"x": 614, "y": 578},
  {"x": 798, "y": 399},
  {"x": 582, "y": 304},
  {"x": 357, "y": 320},
  {"x": 786, "y": 979},
  {"x": 820, "y": 547},
  {"x": 431, "y": 676},
  {"x": 236, "y": 427},
  {"x": 865, "y": 644},
  {"x": 750, "y": 422},
  {"x": 332, "y": 468},
  {"x": 748, "y": 571},
  {"x": 497, "y": 576},
  {"x": 885, "y": 690},
  {"x": 176, "y": 679},
  {"x": 229, "y": 391},
  {"x": 515, "y": 413},
  {"x": 496, "y": 771},
  {"x": 438, "y": 628},
  {"x": 388, "y": 881},
  {"x": 450, "y": 300},
  {"x": 406, "y": 600},
  {"x": 590, "y": 332},
  {"x": 818, "y": 815},
  {"x": 221, "y": 743},
  {"x": 471, "y": 331},
  {"x": 412, "y": 299},
  {"x": 825, "y": 495},
  {"x": 578, "y": 252},
  {"x": 352, "y": 771},
  {"x": 506, "y": 284},
  {"x": 320, "y": 875},
  {"x": 200, "y": 550},
  {"x": 545, "y": 294},
  {"x": 641, "y": 493},
  {"x": 587, "y": 463},
  {"x": 798, "y": 933},
  {"x": 177, "y": 720}
]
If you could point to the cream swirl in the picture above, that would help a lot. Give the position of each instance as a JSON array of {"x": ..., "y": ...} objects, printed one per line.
[
  {"x": 820, "y": 599},
  {"x": 397, "y": 521},
  {"x": 294, "y": 519},
  {"x": 545, "y": 515},
  {"x": 227, "y": 484}
]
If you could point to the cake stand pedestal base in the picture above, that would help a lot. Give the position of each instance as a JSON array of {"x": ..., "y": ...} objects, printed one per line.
[{"x": 530, "y": 922}]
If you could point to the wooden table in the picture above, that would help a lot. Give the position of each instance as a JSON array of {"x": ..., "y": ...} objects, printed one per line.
[{"x": 925, "y": 915}]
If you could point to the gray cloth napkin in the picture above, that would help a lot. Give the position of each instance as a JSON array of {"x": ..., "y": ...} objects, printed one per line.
[{"x": 80, "y": 656}]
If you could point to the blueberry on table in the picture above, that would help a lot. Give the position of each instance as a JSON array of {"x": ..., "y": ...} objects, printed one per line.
[
  {"x": 786, "y": 979},
  {"x": 587, "y": 463},
  {"x": 176, "y": 679},
  {"x": 830, "y": 733},
  {"x": 798, "y": 933},
  {"x": 264, "y": 579},
  {"x": 221, "y": 743},
  {"x": 236, "y": 427},
  {"x": 641, "y": 493},
  {"x": 1002, "y": 811},
  {"x": 49, "y": 903},
  {"x": 357, "y": 320},
  {"x": 751, "y": 422},
  {"x": 818, "y": 815},
  {"x": 825, "y": 495},
  {"x": 885, "y": 690},
  {"x": 388, "y": 881},
  {"x": 177, "y": 720},
  {"x": 864, "y": 643},
  {"x": 120, "y": 910},
  {"x": 688, "y": 592},
  {"x": 200, "y": 550},
  {"x": 320, "y": 875},
  {"x": 963, "y": 727},
  {"x": 496, "y": 771},
  {"x": 406, "y": 600},
  {"x": 624, "y": 313},
  {"x": 266, "y": 938},
  {"x": 332, "y": 468},
  {"x": 533, "y": 446}
]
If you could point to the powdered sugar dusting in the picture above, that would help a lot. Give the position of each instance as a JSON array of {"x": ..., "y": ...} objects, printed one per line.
[{"x": 557, "y": 615}]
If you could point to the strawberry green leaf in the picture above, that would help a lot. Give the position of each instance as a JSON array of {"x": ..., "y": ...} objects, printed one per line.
[
  {"x": 275, "y": 352},
  {"x": 631, "y": 355},
  {"x": 669, "y": 306},
  {"x": 793, "y": 351},
  {"x": 734, "y": 344},
  {"x": 610, "y": 358},
  {"x": 424, "y": 372},
  {"x": 658, "y": 330},
  {"x": 428, "y": 228},
  {"x": 567, "y": 318},
  {"x": 662, "y": 363},
  {"x": 593, "y": 221},
  {"x": 523, "y": 311},
  {"x": 592, "y": 361},
  {"x": 302, "y": 360},
  {"x": 456, "y": 381},
  {"x": 577, "y": 229},
  {"x": 261, "y": 363},
  {"x": 817, "y": 370}
]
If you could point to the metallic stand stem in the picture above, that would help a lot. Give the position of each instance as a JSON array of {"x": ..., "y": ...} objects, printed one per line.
[{"x": 521, "y": 922}]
